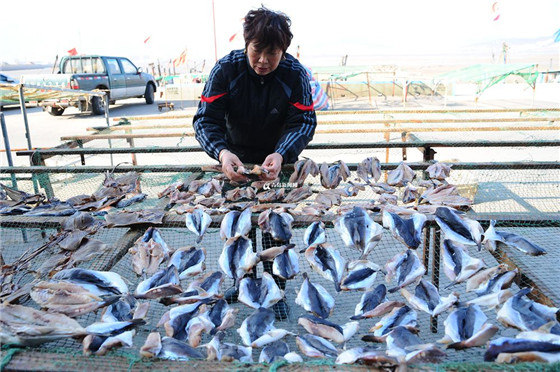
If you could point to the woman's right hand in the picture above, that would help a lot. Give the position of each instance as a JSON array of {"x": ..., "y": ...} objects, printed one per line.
[{"x": 229, "y": 160}]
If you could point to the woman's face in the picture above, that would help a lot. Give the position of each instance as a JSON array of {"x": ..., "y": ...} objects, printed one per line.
[{"x": 263, "y": 61}]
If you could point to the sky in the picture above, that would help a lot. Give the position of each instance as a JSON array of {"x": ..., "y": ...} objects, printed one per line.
[{"x": 36, "y": 31}]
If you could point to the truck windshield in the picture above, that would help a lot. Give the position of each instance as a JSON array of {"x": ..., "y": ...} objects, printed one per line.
[{"x": 83, "y": 65}]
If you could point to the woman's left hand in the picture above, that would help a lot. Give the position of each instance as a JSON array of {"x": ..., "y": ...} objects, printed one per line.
[{"x": 273, "y": 164}]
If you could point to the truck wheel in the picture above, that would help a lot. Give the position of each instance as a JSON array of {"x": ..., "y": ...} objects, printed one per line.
[
  {"x": 97, "y": 105},
  {"x": 55, "y": 111},
  {"x": 149, "y": 94}
]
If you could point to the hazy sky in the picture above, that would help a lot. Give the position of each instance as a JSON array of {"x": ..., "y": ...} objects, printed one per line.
[{"x": 39, "y": 30}]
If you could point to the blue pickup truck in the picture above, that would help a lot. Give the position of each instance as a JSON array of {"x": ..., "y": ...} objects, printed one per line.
[{"x": 117, "y": 76}]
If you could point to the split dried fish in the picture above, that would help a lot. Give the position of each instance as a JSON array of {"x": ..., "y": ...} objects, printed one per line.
[
  {"x": 467, "y": 327},
  {"x": 286, "y": 264},
  {"x": 491, "y": 236},
  {"x": 459, "y": 228},
  {"x": 374, "y": 303},
  {"x": 458, "y": 265},
  {"x": 439, "y": 171},
  {"x": 408, "y": 231},
  {"x": 259, "y": 292},
  {"x": 279, "y": 225},
  {"x": 401, "y": 176},
  {"x": 100, "y": 283},
  {"x": 358, "y": 230},
  {"x": 426, "y": 298},
  {"x": 328, "y": 330},
  {"x": 405, "y": 267},
  {"x": 189, "y": 261},
  {"x": 298, "y": 194},
  {"x": 256, "y": 325},
  {"x": 367, "y": 355},
  {"x": 302, "y": 169},
  {"x": 332, "y": 175},
  {"x": 236, "y": 223},
  {"x": 198, "y": 222},
  {"x": 490, "y": 280},
  {"x": 221, "y": 315},
  {"x": 315, "y": 298},
  {"x": 409, "y": 348},
  {"x": 360, "y": 276},
  {"x": 316, "y": 347},
  {"x": 369, "y": 169},
  {"x": 100, "y": 345},
  {"x": 129, "y": 218},
  {"x": 446, "y": 195},
  {"x": 237, "y": 258},
  {"x": 206, "y": 187},
  {"x": 175, "y": 321},
  {"x": 398, "y": 317},
  {"x": 328, "y": 262},
  {"x": 163, "y": 283},
  {"x": 227, "y": 352},
  {"x": 170, "y": 349},
  {"x": 148, "y": 252},
  {"x": 274, "y": 352},
  {"x": 315, "y": 234}
]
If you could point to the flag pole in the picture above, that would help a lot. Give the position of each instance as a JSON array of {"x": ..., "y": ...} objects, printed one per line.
[{"x": 214, "y": 22}]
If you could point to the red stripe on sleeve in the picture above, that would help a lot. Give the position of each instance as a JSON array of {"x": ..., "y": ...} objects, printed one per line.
[
  {"x": 212, "y": 98},
  {"x": 302, "y": 107}
]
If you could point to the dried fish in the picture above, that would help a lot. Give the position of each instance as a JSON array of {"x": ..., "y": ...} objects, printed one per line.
[
  {"x": 128, "y": 218},
  {"x": 260, "y": 322},
  {"x": 358, "y": 230},
  {"x": 241, "y": 193},
  {"x": 490, "y": 280},
  {"x": 525, "y": 342},
  {"x": 278, "y": 225},
  {"x": 374, "y": 303},
  {"x": 226, "y": 352},
  {"x": 173, "y": 349},
  {"x": 236, "y": 223},
  {"x": 81, "y": 221},
  {"x": 197, "y": 222},
  {"x": 286, "y": 264},
  {"x": 446, "y": 195},
  {"x": 148, "y": 252},
  {"x": 272, "y": 195},
  {"x": 100, "y": 345},
  {"x": 368, "y": 169},
  {"x": 259, "y": 292},
  {"x": 221, "y": 315},
  {"x": 328, "y": 330},
  {"x": 401, "y": 176},
  {"x": 407, "y": 231},
  {"x": 274, "y": 352},
  {"x": 458, "y": 228},
  {"x": 458, "y": 265},
  {"x": 405, "y": 267},
  {"x": 439, "y": 171},
  {"x": 206, "y": 187},
  {"x": 327, "y": 261},
  {"x": 328, "y": 198},
  {"x": 367, "y": 355},
  {"x": 100, "y": 283},
  {"x": 332, "y": 175},
  {"x": 398, "y": 317},
  {"x": 25, "y": 326},
  {"x": 314, "y": 298},
  {"x": 426, "y": 298},
  {"x": 491, "y": 236},
  {"x": 315, "y": 347},
  {"x": 162, "y": 284},
  {"x": 410, "y": 194},
  {"x": 302, "y": 169},
  {"x": 175, "y": 321},
  {"x": 360, "y": 276},
  {"x": 189, "y": 261},
  {"x": 298, "y": 194},
  {"x": 315, "y": 234},
  {"x": 382, "y": 188},
  {"x": 467, "y": 327},
  {"x": 237, "y": 258}
]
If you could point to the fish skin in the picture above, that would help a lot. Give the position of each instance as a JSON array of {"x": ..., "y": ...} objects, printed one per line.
[
  {"x": 402, "y": 316},
  {"x": 25, "y": 326},
  {"x": 439, "y": 171},
  {"x": 328, "y": 330},
  {"x": 315, "y": 234},
  {"x": 315, "y": 346},
  {"x": 278, "y": 225},
  {"x": 236, "y": 223},
  {"x": 197, "y": 222},
  {"x": 302, "y": 169},
  {"x": 237, "y": 258},
  {"x": 256, "y": 325},
  {"x": 516, "y": 345},
  {"x": 163, "y": 283},
  {"x": 271, "y": 253},
  {"x": 328, "y": 262},
  {"x": 467, "y": 327},
  {"x": 458, "y": 265},
  {"x": 286, "y": 265},
  {"x": 459, "y": 229},
  {"x": 492, "y": 236},
  {"x": 314, "y": 298},
  {"x": 400, "y": 341},
  {"x": 121, "y": 310},
  {"x": 406, "y": 267},
  {"x": 426, "y": 298},
  {"x": 100, "y": 283},
  {"x": 261, "y": 292},
  {"x": 333, "y": 174},
  {"x": 109, "y": 329},
  {"x": 370, "y": 300},
  {"x": 175, "y": 321},
  {"x": 407, "y": 231},
  {"x": 189, "y": 261},
  {"x": 196, "y": 327},
  {"x": 358, "y": 230},
  {"x": 173, "y": 349},
  {"x": 209, "y": 283},
  {"x": 222, "y": 316},
  {"x": 273, "y": 352},
  {"x": 360, "y": 275}
]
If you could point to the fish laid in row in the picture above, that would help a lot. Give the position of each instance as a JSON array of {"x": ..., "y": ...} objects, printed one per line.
[
  {"x": 426, "y": 298},
  {"x": 198, "y": 222},
  {"x": 405, "y": 267},
  {"x": 237, "y": 258},
  {"x": 407, "y": 231},
  {"x": 358, "y": 230},
  {"x": 314, "y": 298},
  {"x": 328, "y": 262},
  {"x": 374, "y": 303},
  {"x": 467, "y": 327},
  {"x": 459, "y": 228}
]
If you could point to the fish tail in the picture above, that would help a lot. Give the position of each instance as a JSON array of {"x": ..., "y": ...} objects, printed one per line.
[
  {"x": 394, "y": 289},
  {"x": 199, "y": 239}
]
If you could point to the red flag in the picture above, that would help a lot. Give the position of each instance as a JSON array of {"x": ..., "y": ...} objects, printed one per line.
[
  {"x": 73, "y": 52},
  {"x": 148, "y": 38},
  {"x": 182, "y": 59}
]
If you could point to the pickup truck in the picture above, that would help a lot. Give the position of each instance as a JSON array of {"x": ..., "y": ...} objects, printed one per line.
[{"x": 117, "y": 76}]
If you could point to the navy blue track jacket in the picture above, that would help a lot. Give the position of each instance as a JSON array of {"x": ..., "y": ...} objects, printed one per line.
[{"x": 254, "y": 116}]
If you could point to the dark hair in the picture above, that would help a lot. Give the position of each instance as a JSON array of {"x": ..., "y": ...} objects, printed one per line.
[{"x": 268, "y": 29}]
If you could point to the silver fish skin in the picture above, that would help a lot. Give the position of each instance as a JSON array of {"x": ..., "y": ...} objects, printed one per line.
[
  {"x": 173, "y": 349},
  {"x": 315, "y": 298},
  {"x": 256, "y": 325},
  {"x": 271, "y": 253},
  {"x": 426, "y": 298},
  {"x": 401, "y": 176},
  {"x": 189, "y": 261},
  {"x": 517, "y": 345},
  {"x": 237, "y": 258},
  {"x": 328, "y": 262},
  {"x": 493, "y": 299},
  {"x": 286, "y": 265},
  {"x": 360, "y": 276},
  {"x": 260, "y": 292},
  {"x": 226, "y": 352},
  {"x": 358, "y": 230},
  {"x": 407, "y": 231},
  {"x": 100, "y": 283},
  {"x": 366, "y": 355},
  {"x": 197, "y": 222},
  {"x": 328, "y": 330},
  {"x": 526, "y": 314},
  {"x": 459, "y": 229},
  {"x": 332, "y": 175},
  {"x": 274, "y": 352},
  {"x": 279, "y": 225},
  {"x": 467, "y": 327},
  {"x": 164, "y": 283},
  {"x": 402, "y": 316},
  {"x": 316, "y": 347},
  {"x": 410, "y": 194},
  {"x": 405, "y": 267},
  {"x": 25, "y": 326},
  {"x": 236, "y": 223},
  {"x": 458, "y": 265},
  {"x": 315, "y": 234}
]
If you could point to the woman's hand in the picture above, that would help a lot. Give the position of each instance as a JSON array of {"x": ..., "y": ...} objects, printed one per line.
[
  {"x": 273, "y": 164},
  {"x": 229, "y": 160}
]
